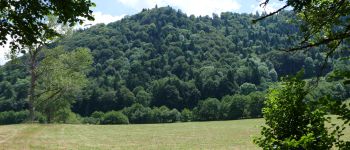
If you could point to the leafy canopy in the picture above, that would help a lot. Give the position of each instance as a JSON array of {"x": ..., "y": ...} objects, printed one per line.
[
  {"x": 293, "y": 122},
  {"x": 25, "y": 21}
]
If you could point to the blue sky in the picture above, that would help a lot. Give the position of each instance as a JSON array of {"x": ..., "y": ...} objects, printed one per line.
[{"x": 107, "y": 11}]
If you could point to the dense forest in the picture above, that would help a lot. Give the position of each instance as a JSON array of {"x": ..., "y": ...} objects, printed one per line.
[{"x": 161, "y": 65}]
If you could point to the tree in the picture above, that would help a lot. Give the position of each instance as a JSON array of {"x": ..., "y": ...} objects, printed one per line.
[
  {"x": 247, "y": 88},
  {"x": 26, "y": 21},
  {"x": 208, "y": 109},
  {"x": 62, "y": 76},
  {"x": 323, "y": 25},
  {"x": 255, "y": 104},
  {"x": 30, "y": 25},
  {"x": 232, "y": 107},
  {"x": 292, "y": 122}
]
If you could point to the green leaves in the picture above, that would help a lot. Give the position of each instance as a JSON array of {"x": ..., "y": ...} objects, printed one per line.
[
  {"x": 26, "y": 21},
  {"x": 292, "y": 122},
  {"x": 62, "y": 75}
]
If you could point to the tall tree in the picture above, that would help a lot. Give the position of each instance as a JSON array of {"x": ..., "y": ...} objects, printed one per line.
[
  {"x": 62, "y": 77},
  {"x": 29, "y": 26},
  {"x": 34, "y": 51}
]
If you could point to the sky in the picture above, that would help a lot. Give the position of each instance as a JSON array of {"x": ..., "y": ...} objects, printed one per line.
[{"x": 107, "y": 11}]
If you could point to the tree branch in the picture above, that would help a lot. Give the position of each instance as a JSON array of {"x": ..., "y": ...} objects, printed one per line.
[{"x": 270, "y": 14}]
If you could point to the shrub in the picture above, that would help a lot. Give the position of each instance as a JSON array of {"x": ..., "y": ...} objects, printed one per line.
[
  {"x": 96, "y": 117},
  {"x": 292, "y": 122},
  {"x": 173, "y": 116},
  {"x": 164, "y": 115},
  {"x": 186, "y": 115},
  {"x": 208, "y": 109},
  {"x": 90, "y": 120},
  {"x": 12, "y": 117},
  {"x": 139, "y": 114},
  {"x": 67, "y": 116},
  {"x": 114, "y": 117},
  {"x": 97, "y": 114}
]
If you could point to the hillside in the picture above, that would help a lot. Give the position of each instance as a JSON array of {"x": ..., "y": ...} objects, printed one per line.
[{"x": 162, "y": 57}]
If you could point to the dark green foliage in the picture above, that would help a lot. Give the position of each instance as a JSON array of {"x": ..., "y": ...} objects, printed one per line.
[
  {"x": 233, "y": 106},
  {"x": 165, "y": 115},
  {"x": 90, "y": 120},
  {"x": 114, "y": 117},
  {"x": 247, "y": 88},
  {"x": 138, "y": 114},
  {"x": 97, "y": 114},
  {"x": 95, "y": 118},
  {"x": 208, "y": 109},
  {"x": 12, "y": 117},
  {"x": 255, "y": 104}
]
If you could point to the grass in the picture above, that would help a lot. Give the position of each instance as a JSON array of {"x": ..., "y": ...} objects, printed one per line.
[{"x": 193, "y": 135}]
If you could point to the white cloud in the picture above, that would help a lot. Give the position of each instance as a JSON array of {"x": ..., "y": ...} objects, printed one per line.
[
  {"x": 103, "y": 18},
  {"x": 270, "y": 7},
  {"x": 195, "y": 7}
]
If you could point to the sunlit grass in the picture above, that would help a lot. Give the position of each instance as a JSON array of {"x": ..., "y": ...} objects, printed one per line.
[{"x": 193, "y": 135}]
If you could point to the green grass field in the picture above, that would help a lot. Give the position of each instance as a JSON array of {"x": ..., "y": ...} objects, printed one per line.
[{"x": 194, "y": 135}]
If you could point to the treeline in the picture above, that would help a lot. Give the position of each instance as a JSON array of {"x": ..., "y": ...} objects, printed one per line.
[
  {"x": 163, "y": 58},
  {"x": 228, "y": 108}
]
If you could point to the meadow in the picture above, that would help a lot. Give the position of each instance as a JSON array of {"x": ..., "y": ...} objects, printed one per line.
[
  {"x": 192, "y": 135},
  {"x": 235, "y": 135}
]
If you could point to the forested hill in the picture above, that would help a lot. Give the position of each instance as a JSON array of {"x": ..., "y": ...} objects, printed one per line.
[{"x": 164, "y": 57}]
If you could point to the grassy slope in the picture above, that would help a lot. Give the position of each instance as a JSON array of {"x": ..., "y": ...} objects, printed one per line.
[{"x": 195, "y": 135}]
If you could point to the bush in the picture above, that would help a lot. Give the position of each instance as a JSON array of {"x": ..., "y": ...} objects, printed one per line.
[
  {"x": 233, "y": 107},
  {"x": 186, "y": 115},
  {"x": 292, "y": 122},
  {"x": 67, "y": 116},
  {"x": 208, "y": 109},
  {"x": 114, "y": 117},
  {"x": 139, "y": 114},
  {"x": 97, "y": 114},
  {"x": 12, "y": 117},
  {"x": 90, "y": 120},
  {"x": 165, "y": 115},
  {"x": 97, "y": 117}
]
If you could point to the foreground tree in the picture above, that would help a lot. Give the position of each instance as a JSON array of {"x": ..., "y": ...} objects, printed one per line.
[
  {"x": 30, "y": 26},
  {"x": 324, "y": 24},
  {"x": 293, "y": 122}
]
